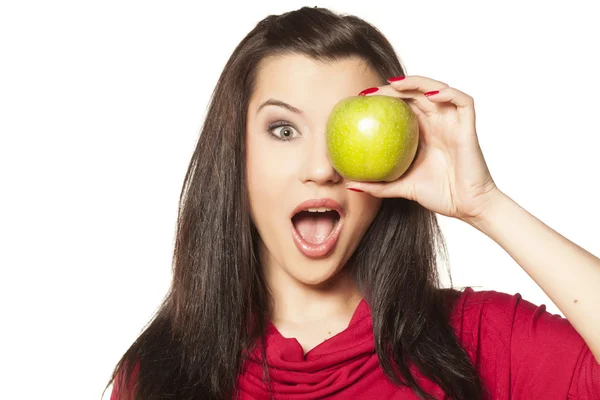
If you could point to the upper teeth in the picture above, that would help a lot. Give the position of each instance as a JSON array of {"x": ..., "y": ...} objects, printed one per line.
[{"x": 320, "y": 209}]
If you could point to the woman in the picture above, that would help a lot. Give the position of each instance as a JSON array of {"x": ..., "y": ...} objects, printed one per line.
[{"x": 256, "y": 311}]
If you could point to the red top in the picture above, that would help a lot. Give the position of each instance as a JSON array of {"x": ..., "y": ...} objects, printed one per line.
[{"x": 520, "y": 350}]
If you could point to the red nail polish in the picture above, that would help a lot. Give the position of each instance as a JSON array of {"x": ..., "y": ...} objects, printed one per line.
[
  {"x": 355, "y": 190},
  {"x": 368, "y": 91},
  {"x": 432, "y": 93},
  {"x": 396, "y": 78}
]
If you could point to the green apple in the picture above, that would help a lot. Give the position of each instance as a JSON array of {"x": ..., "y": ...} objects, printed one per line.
[{"x": 372, "y": 138}]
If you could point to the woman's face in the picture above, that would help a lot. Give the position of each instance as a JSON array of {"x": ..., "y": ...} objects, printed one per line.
[{"x": 287, "y": 165}]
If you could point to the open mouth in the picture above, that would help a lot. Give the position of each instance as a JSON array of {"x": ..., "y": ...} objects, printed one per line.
[{"x": 315, "y": 225}]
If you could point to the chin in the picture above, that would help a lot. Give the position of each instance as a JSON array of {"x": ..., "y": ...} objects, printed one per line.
[{"x": 315, "y": 272}]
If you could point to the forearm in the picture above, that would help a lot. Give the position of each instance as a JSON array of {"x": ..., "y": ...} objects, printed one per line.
[{"x": 568, "y": 274}]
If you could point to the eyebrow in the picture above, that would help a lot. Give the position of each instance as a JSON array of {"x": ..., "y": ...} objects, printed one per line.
[{"x": 279, "y": 103}]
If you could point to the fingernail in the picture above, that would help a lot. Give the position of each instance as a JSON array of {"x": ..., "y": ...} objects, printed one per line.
[
  {"x": 396, "y": 78},
  {"x": 368, "y": 91},
  {"x": 432, "y": 93},
  {"x": 355, "y": 190}
]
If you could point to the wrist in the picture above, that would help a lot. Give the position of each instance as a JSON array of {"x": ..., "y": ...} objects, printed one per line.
[{"x": 490, "y": 210}]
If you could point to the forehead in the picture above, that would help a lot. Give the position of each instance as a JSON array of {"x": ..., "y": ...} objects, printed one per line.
[{"x": 298, "y": 79}]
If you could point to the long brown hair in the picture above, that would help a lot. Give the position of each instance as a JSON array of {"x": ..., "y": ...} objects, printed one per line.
[{"x": 193, "y": 346}]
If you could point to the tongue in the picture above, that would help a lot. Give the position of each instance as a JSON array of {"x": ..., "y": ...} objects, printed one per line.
[{"x": 314, "y": 227}]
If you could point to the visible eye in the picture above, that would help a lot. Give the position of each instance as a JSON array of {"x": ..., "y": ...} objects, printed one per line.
[{"x": 286, "y": 133}]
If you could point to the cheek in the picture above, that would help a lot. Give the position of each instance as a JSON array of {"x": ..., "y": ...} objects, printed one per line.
[
  {"x": 258, "y": 189},
  {"x": 266, "y": 174},
  {"x": 269, "y": 176},
  {"x": 367, "y": 207}
]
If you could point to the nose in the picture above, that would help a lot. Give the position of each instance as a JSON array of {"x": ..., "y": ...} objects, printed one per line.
[{"x": 317, "y": 167}]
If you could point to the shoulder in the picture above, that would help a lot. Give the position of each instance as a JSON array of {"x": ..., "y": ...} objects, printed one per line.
[
  {"x": 468, "y": 303},
  {"x": 471, "y": 306},
  {"x": 514, "y": 342},
  {"x": 120, "y": 388},
  {"x": 504, "y": 321}
]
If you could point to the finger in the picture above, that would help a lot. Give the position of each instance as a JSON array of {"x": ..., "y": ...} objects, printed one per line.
[
  {"x": 465, "y": 105},
  {"x": 382, "y": 189},
  {"x": 416, "y": 82},
  {"x": 420, "y": 102}
]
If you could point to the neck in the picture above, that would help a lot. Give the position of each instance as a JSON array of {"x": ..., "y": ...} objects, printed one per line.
[{"x": 300, "y": 303}]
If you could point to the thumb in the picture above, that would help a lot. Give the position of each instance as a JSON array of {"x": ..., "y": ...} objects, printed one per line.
[{"x": 397, "y": 188}]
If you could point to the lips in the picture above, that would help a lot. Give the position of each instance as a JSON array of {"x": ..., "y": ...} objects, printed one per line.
[
  {"x": 317, "y": 203},
  {"x": 326, "y": 245}
]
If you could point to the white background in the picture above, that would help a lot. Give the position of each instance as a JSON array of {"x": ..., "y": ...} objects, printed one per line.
[{"x": 101, "y": 105}]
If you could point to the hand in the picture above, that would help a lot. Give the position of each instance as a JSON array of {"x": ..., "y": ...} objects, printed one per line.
[{"x": 449, "y": 175}]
